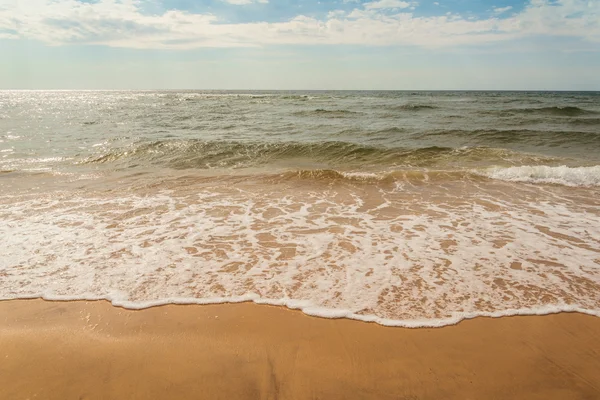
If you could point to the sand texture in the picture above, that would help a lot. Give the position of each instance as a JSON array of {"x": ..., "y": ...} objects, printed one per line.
[{"x": 91, "y": 350}]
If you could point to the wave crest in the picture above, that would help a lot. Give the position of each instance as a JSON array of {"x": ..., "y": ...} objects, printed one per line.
[
  {"x": 559, "y": 111},
  {"x": 187, "y": 154},
  {"x": 562, "y": 175},
  {"x": 321, "y": 112},
  {"x": 415, "y": 107}
]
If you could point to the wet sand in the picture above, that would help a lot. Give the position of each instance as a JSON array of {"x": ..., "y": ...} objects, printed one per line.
[{"x": 91, "y": 350}]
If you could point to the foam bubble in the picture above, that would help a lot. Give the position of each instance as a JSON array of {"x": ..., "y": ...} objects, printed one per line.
[
  {"x": 429, "y": 256},
  {"x": 563, "y": 175}
]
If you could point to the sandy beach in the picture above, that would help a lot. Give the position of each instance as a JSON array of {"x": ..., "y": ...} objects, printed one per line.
[{"x": 92, "y": 350}]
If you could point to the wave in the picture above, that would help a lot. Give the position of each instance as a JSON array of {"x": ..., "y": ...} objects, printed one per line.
[
  {"x": 295, "y": 97},
  {"x": 559, "y": 111},
  {"x": 330, "y": 175},
  {"x": 414, "y": 107},
  {"x": 585, "y": 121},
  {"x": 517, "y": 135},
  {"x": 184, "y": 154},
  {"x": 327, "y": 113},
  {"x": 522, "y": 100},
  {"x": 567, "y": 111},
  {"x": 385, "y": 133},
  {"x": 540, "y": 174},
  {"x": 382, "y": 177},
  {"x": 393, "y": 131},
  {"x": 561, "y": 175}
]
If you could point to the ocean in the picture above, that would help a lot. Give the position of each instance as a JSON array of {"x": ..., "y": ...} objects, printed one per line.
[{"x": 414, "y": 209}]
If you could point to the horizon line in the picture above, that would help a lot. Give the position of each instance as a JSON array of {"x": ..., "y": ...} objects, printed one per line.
[{"x": 298, "y": 90}]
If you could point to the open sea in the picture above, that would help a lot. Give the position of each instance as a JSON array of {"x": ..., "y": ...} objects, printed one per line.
[{"x": 404, "y": 208}]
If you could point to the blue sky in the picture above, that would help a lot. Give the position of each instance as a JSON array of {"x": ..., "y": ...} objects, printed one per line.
[{"x": 300, "y": 44}]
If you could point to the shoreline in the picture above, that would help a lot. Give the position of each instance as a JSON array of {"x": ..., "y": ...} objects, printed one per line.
[
  {"x": 327, "y": 313},
  {"x": 93, "y": 350}
]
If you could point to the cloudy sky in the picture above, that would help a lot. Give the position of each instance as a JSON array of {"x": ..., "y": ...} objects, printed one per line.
[{"x": 300, "y": 44}]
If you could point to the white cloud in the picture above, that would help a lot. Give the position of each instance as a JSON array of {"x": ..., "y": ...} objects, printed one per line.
[
  {"x": 120, "y": 23},
  {"x": 500, "y": 10},
  {"x": 245, "y": 2},
  {"x": 386, "y": 4},
  {"x": 336, "y": 14}
]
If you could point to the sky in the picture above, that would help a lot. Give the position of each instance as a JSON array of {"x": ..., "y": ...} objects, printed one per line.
[{"x": 300, "y": 44}]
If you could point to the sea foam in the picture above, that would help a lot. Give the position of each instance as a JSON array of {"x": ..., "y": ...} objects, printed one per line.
[
  {"x": 562, "y": 175},
  {"x": 387, "y": 257}
]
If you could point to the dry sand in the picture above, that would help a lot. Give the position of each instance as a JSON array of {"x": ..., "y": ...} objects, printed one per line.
[{"x": 91, "y": 350}]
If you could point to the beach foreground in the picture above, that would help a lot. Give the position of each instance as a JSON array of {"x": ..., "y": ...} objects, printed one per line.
[{"x": 92, "y": 350}]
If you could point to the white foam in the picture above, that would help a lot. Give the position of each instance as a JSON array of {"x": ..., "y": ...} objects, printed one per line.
[
  {"x": 562, "y": 175},
  {"x": 321, "y": 312},
  {"x": 398, "y": 261},
  {"x": 362, "y": 175}
]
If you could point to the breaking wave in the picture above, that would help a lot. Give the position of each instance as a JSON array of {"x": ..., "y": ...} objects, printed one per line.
[{"x": 562, "y": 175}]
